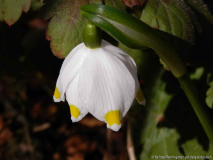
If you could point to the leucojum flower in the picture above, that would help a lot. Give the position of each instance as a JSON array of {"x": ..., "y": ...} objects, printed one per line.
[{"x": 98, "y": 78}]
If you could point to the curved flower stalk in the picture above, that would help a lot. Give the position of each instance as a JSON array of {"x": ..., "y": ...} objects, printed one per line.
[{"x": 102, "y": 81}]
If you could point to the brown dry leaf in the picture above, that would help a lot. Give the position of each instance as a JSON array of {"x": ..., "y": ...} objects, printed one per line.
[
  {"x": 41, "y": 127},
  {"x": 77, "y": 144},
  {"x": 56, "y": 156},
  {"x": 26, "y": 147},
  {"x": 73, "y": 144},
  {"x": 76, "y": 156},
  {"x": 5, "y": 136},
  {"x": 23, "y": 96},
  {"x": 38, "y": 23},
  {"x": 131, "y": 3},
  {"x": 52, "y": 109},
  {"x": 1, "y": 122},
  {"x": 90, "y": 121},
  {"x": 36, "y": 110},
  {"x": 62, "y": 129}
]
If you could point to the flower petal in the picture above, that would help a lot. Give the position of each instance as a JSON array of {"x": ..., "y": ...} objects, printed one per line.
[
  {"x": 125, "y": 58},
  {"x": 106, "y": 85},
  {"x": 111, "y": 48},
  {"x": 130, "y": 64},
  {"x": 113, "y": 120},
  {"x": 69, "y": 70},
  {"x": 77, "y": 110}
]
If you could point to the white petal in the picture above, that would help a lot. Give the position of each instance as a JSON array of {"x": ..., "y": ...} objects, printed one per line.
[
  {"x": 106, "y": 85},
  {"x": 78, "y": 111},
  {"x": 110, "y": 47},
  {"x": 70, "y": 55},
  {"x": 69, "y": 70},
  {"x": 125, "y": 58},
  {"x": 114, "y": 127},
  {"x": 130, "y": 64}
]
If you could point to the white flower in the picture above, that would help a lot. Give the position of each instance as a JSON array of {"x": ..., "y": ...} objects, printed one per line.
[{"x": 100, "y": 81}]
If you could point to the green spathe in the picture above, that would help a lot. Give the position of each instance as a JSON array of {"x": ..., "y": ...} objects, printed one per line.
[{"x": 92, "y": 36}]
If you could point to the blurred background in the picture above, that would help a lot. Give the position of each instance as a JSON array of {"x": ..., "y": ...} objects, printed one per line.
[{"x": 33, "y": 127}]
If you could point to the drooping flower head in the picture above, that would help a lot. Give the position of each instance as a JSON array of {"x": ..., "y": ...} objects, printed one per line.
[{"x": 101, "y": 81}]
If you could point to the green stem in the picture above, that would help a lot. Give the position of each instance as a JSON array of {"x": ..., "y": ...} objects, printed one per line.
[
  {"x": 92, "y": 36},
  {"x": 178, "y": 69},
  {"x": 200, "y": 110},
  {"x": 170, "y": 58}
]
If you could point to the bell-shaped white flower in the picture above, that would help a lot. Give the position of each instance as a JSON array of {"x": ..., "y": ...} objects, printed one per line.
[{"x": 100, "y": 81}]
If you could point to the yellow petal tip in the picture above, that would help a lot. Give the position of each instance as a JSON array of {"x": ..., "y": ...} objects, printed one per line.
[
  {"x": 74, "y": 111},
  {"x": 57, "y": 94},
  {"x": 140, "y": 97},
  {"x": 113, "y": 117}
]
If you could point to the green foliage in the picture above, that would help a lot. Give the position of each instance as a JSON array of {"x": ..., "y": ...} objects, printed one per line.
[
  {"x": 209, "y": 96},
  {"x": 164, "y": 65},
  {"x": 201, "y": 7},
  {"x": 10, "y": 10},
  {"x": 36, "y": 5},
  {"x": 157, "y": 140},
  {"x": 171, "y": 16},
  {"x": 197, "y": 74},
  {"x": 191, "y": 148},
  {"x": 175, "y": 21},
  {"x": 66, "y": 25},
  {"x": 168, "y": 125},
  {"x": 115, "y": 3}
]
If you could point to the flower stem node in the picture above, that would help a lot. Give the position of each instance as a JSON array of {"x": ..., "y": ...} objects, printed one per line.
[
  {"x": 92, "y": 36},
  {"x": 101, "y": 81}
]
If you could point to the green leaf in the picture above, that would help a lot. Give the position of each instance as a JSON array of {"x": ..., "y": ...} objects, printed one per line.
[
  {"x": 171, "y": 16},
  {"x": 36, "y": 4},
  {"x": 163, "y": 131},
  {"x": 175, "y": 21},
  {"x": 192, "y": 148},
  {"x": 197, "y": 74},
  {"x": 115, "y": 3},
  {"x": 10, "y": 10},
  {"x": 209, "y": 96},
  {"x": 66, "y": 26},
  {"x": 164, "y": 65},
  {"x": 201, "y": 7},
  {"x": 131, "y": 3},
  {"x": 158, "y": 140}
]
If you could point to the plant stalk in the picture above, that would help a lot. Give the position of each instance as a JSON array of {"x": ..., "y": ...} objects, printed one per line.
[
  {"x": 178, "y": 69},
  {"x": 199, "y": 108}
]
